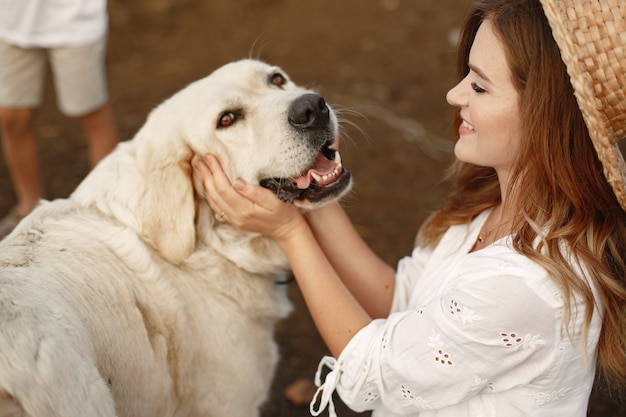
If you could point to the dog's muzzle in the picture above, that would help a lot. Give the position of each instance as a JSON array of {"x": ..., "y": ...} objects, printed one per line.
[{"x": 325, "y": 178}]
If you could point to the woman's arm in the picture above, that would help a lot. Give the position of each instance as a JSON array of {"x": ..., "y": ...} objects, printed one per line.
[
  {"x": 367, "y": 276},
  {"x": 337, "y": 314}
]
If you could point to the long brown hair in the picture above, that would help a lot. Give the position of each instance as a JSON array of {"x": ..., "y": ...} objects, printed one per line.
[{"x": 564, "y": 193}]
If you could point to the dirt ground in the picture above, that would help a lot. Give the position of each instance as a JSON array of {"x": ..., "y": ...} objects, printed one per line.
[{"x": 384, "y": 64}]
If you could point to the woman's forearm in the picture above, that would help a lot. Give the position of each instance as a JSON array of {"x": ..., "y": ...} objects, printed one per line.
[
  {"x": 337, "y": 314},
  {"x": 367, "y": 276}
]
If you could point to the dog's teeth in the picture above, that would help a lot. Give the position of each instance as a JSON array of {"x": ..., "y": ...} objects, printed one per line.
[
  {"x": 337, "y": 158},
  {"x": 327, "y": 178}
]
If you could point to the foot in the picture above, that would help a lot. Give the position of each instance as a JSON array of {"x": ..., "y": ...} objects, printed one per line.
[{"x": 8, "y": 223}]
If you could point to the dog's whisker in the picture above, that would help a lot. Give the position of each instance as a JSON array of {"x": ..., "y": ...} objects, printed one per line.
[
  {"x": 342, "y": 113},
  {"x": 346, "y": 134},
  {"x": 257, "y": 55}
]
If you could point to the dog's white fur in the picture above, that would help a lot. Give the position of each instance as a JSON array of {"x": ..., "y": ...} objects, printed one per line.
[{"x": 128, "y": 298}]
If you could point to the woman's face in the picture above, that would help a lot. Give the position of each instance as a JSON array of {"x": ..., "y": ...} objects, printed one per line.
[{"x": 490, "y": 130}]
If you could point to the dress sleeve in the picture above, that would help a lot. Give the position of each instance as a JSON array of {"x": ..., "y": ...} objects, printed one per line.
[
  {"x": 487, "y": 335},
  {"x": 409, "y": 271}
]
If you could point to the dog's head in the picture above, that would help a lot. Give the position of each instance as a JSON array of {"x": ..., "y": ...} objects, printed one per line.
[
  {"x": 268, "y": 131},
  {"x": 261, "y": 126}
]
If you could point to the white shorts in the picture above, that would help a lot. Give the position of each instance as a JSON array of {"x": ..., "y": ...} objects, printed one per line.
[{"x": 79, "y": 75}]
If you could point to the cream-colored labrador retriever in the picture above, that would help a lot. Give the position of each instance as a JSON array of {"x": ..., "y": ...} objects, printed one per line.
[{"x": 129, "y": 298}]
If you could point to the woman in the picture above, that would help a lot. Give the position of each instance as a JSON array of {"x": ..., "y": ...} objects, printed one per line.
[{"x": 518, "y": 283}]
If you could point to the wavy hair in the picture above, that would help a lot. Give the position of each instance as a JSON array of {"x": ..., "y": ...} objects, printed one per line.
[{"x": 565, "y": 194}]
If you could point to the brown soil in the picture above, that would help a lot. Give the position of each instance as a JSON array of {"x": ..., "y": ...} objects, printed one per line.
[{"x": 384, "y": 64}]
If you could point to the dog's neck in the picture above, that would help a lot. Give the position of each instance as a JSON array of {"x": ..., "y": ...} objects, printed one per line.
[{"x": 250, "y": 251}]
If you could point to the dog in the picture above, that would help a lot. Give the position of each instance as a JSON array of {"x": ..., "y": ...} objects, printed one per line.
[{"x": 129, "y": 298}]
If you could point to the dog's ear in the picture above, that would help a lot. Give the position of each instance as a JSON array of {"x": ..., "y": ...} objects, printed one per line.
[{"x": 168, "y": 211}]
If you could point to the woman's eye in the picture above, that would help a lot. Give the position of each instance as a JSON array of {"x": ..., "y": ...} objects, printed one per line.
[
  {"x": 227, "y": 119},
  {"x": 477, "y": 88},
  {"x": 278, "y": 79}
]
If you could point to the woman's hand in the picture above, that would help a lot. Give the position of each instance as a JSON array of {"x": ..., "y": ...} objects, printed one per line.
[{"x": 247, "y": 206}]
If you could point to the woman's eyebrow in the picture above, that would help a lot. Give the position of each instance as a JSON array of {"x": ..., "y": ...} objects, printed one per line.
[{"x": 479, "y": 72}]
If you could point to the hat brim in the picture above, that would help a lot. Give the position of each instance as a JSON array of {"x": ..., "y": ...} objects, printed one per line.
[{"x": 591, "y": 35}]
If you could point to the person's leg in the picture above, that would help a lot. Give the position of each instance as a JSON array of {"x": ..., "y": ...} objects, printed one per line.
[
  {"x": 21, "y": 155},
  {"x": 101, "y": 133},
  {"x": 81, "y": 85},
  {"x": 21, "y": 86}
]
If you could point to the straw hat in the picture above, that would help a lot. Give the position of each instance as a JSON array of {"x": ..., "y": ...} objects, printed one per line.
[{"x": 591, "y": 35}]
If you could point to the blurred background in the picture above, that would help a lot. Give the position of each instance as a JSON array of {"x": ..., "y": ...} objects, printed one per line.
[{"x": 384, "y": 65}]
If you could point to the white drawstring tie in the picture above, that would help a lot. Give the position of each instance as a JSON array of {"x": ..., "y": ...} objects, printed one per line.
[{"x": 327, "y": 388}]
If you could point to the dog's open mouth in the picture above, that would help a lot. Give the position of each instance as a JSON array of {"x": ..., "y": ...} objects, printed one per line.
[{"x": 325, "y": 178}]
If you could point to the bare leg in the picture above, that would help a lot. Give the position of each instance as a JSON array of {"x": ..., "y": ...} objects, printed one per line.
[
  {"x": 101, "y": 133},
  {"x": 21, "y": 154}
]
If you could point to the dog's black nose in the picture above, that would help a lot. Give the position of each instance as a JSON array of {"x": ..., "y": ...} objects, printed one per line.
[{"x": 309, "y": 112}]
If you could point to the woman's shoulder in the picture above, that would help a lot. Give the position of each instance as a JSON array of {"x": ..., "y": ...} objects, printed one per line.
[{"x": 501, "y": 267}]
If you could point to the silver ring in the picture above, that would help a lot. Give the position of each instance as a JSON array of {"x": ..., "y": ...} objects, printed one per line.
[{"x": 220, "y": 217}]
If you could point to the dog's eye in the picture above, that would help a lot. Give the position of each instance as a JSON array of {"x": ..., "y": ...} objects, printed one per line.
[
  {"x": 227, "y": 119},
  {"x": 278, "y": 79}
]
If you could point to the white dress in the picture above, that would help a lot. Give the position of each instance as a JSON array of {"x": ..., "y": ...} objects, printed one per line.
[
  {"x": 52, "y": 23},
  {"x": 470, "y": 335}
]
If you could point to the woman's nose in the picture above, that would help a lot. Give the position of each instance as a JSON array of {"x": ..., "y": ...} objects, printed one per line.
[{"x": 455, "y": 96}]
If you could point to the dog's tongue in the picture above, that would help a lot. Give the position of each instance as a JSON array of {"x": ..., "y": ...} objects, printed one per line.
[{"x": 321, "y": 166}]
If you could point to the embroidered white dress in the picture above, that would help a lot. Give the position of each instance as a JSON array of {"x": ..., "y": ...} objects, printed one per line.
[{"x": 470, "y": 334}]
